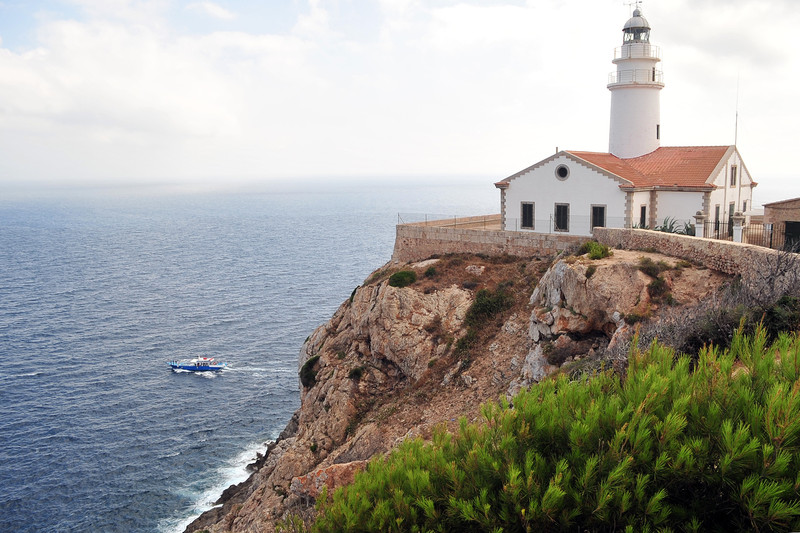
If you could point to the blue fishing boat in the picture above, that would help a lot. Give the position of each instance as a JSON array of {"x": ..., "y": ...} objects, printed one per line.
[{"x": 198, "y": 364}]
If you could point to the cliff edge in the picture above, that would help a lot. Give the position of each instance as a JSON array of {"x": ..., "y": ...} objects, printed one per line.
[{"x": 394, "y": 363}]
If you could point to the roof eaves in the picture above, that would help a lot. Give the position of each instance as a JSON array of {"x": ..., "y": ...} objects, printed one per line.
[
  {"x": 779, "y": 202},
  {"x": 624, "y": 183},
  {"x": 753, "y": 182},
  {"x": 720, "y": 164},
  {"x": 512, "y": 177}
]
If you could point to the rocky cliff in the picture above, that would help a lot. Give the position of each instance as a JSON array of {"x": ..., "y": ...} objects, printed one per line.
[{"x": 393, "y": 363}]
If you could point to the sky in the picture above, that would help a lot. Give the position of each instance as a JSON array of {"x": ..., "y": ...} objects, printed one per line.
[{"x": 224, "y": 91}]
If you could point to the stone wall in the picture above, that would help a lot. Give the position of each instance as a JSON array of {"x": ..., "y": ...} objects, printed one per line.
[
  {"x": 725, "y": 256},
  {"x": 415, "y": 242}
]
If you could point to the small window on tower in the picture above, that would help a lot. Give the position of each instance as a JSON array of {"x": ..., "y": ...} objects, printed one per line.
[
  {"x": 733, "y": 176},
  {"x": 658, "y": 132}
]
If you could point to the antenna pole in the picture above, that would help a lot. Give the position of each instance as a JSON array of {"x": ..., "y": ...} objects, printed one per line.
[
  {"x": 736, "y": 125},
  {"x": 631, "y": 3}
]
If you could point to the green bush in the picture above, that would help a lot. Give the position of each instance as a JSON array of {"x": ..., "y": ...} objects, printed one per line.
[
  {"x": 677, "y": 445},
  {"x": 590, "y": 270},
  {"x": 718, "y": 325},
  {"x": 308, "y": 376},
  {"x": 657, "y": 288},
  {"x": 465, "y": 343},
  {"x": 594, "y": 249},
  {"x": 430, "y": 272},
  {"x": 652, "y": 268},
  {"x": 356, "y": 373},
  {"x": 487, "y": 304},
  {"x": 633, "y": 318},
  {"x": 670, "y": 225},
  {"x": 403, "y": 278},
  {"x": 784, "y": 315}
]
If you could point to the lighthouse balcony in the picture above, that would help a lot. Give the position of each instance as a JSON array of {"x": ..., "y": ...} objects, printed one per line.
[
  {"x": 637, "y": 51},
  {"x": 636, "y": 77}
]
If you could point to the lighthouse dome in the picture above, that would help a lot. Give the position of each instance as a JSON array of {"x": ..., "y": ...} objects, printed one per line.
[
  {"x": 637, "y": 29},
  {"x": 636, "y": 21}
]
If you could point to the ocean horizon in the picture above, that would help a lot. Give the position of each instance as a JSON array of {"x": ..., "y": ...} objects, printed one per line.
[{"x": 100, "y": 287}]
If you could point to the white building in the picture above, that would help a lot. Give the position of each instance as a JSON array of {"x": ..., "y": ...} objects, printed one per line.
[{"x": 638, "y": 182}]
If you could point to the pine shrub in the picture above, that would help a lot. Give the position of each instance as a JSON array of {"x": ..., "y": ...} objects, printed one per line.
[
  {"x": 652, "y": 268},
  {"x": 487, "y": 304},
  {"x": 356, "y": 373},
  {"x": 594, "y": 249},
  {"x": 308, "y": 376},
  {"x": 403, "y": 278},
  {"x": 676, "y": 445},
  {"x": 657, "y": 288}
]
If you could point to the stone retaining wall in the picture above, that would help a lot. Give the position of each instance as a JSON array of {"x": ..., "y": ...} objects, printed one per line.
[
  {"x": 725, "y": 256},
  {"x": 415, "y": 242}
]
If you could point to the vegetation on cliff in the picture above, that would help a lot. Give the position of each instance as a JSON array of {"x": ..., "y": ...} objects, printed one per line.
[
  {"x": 769, "y": 298},
  {"x": 677, "y": 444}
]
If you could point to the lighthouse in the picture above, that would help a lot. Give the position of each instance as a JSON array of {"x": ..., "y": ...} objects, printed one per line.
[
  {"x": 638, "y": 182},
  {"x": 635, "y": 88}
]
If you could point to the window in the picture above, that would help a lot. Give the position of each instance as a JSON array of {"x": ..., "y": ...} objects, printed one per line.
[
  {"x": 598, "y": 216},
  {"x": 527, "y": 215},
  {"x": 733, "y": 176},
  {"x": 562, "y": 217},
  {"x": 716, "y": 217},
  {"x": 744, "y": 206},
  {"x": 562, "y": 172},
  {"x": 658, "y": 131},
  {"x": 643, "y": 217}
]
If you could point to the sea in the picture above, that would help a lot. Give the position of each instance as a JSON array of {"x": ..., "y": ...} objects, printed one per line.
[{"x": 101, "y": 286}]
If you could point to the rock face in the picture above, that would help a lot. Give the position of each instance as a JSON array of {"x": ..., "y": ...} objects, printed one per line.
[{"x": 387, "y": 366}]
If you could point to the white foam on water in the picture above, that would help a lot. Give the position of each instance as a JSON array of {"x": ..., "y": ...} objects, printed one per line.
[
  {"x": 25, "y": 375},
  {"x": 232, "y": 472}
]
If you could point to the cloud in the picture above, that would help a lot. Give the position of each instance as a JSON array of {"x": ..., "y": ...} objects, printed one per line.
[
  {"x": 145, "y": 12},
  {"x": 316, "y": 23},
  {"x": 433, "y": 86},
  {"x": 212, "y": 9}
]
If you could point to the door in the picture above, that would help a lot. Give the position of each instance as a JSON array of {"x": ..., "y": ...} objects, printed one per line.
[{"x": 792, "y": 240}]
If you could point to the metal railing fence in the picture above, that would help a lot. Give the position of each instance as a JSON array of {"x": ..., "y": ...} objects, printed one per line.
[
  {"x": 766, "y": 235},
  {"x": 640, "y": 51},
  {"x": 636, "y": 76},
  {"x": 451, "y": 221},
  {"x": 576, "y": 225}
]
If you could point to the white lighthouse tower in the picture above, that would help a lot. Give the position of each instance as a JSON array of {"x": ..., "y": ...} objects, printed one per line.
[{"x": 635, "y": 88}]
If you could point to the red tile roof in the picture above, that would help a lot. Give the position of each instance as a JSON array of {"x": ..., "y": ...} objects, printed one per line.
[{"x": 666, "y": 167}]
